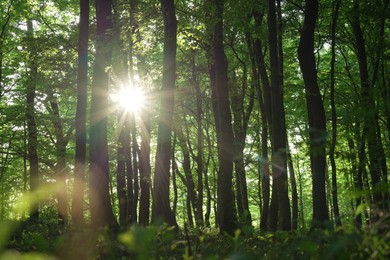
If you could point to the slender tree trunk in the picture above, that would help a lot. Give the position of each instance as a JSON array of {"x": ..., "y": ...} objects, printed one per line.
[
  {"x": 173, "y": 170},
  {"x": 336, "y": 210},
  {"x": 134, "y": 154},
  {"x": 81, "y": 137},
  {"x": 2, "y": 37},
  {"x": 121, "y": 172},
  {"x": 2, "y": 173},
  {"x": 189, "y": 212},
  {"x": 161, "y": 209},
  {"x": 241, "y": 117},
  {"x": 133, "y": 172},
  {"x": 368, "y": 110},
  {"x": 32, "y": 138},
  {"x": 263, "y": 161},
  {"x": 189, "y": 205},
  {"x": 273, "y": 208},
  {"x": 264, "y": 99},
  {"x": 129, "y": 172},
  {"x": 301, "y": 196},
  {"x": 226, "y": 214},
  {"x": 144, "y": 169},
  {"x": 316, "y": 112},
  {"x": 380, "y": 57},
  {"x": 263, "y": 74},
  {"x": 265, "y": 176},
  {"x": 206, "y": 180},
  {"x": 101, "y": 209},
  {"x": 188, "y": 180},
  {"x": 294, "y": 193},
  {"x": 60, "y": 168},
  {"x": 280, "y": 40},
  {"x": 25, "y": 158},
  {"x": 278, "y": 128},
  {"x": 199, "y": 156},
  {"x": 358, "y": 183},
  {"x": 270, "y": 206}
]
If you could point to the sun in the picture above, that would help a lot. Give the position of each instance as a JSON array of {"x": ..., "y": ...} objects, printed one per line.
[{"x": 131, "y": 99}]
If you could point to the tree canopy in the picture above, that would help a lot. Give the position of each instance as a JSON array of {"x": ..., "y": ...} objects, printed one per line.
[{"x": 233, "y": 117}]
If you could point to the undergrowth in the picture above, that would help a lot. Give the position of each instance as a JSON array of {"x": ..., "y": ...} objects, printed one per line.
[{"x": 23, "y": 240}]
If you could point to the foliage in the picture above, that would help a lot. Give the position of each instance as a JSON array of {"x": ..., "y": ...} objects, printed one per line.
[
  {"x": 49, "y": 241},
  {"x": 140, "y": 26}
]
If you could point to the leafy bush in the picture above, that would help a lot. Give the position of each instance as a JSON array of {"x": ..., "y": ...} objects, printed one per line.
[{"x": 51, "y": 241}]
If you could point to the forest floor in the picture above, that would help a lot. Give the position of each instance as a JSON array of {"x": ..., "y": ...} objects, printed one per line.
[{"x": 54, "y": 241}]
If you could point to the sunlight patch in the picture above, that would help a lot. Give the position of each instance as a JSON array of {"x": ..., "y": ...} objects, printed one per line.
[{"x": 131, "y": 99}]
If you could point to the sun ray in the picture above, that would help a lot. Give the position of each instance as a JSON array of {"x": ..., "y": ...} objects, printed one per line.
[{"x": 130, "y": 99}]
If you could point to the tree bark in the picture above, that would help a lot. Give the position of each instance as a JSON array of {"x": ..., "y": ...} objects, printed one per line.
[
  {"x": 278, "y": 127},
  {"x": 129, "y": 172},
  {"x": 2, "y": 36},
  {"x": 226, "y": 217},
  {"x": 161, "y": 210},
  {"x": 32, "y": 138},
  {"x": 144, "y": 170},
  {"x": 336, "y": 210},
  {"x": 294, "y": 193},
  {"x": 357, "y": 181},
  {"x": 369, "y": 110},
  {"x": 241, "y": 117},
  {"x": 121, "y": 171},
  {"x": 61, "y": 173},
  {"x": 264, "y": 100},
  {"x": 81, "y": 110},
  {"x": 188, "y": 179},
  {"x": 134, "y": 150},
  {"x": 101, "y": 209},
  {"x": 199, "y": 147},
  {"x": 206, "y": 180},
  {"x": 316, "y": 112},
  {"x": 174, "y": 180}
]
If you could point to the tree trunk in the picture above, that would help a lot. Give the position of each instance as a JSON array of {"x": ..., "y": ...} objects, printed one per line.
[
  {"x": 294, "y": 193},
  {"x": 60, "y": 168},
  {"x": 2, "y": 36},
  {"x": 32, "y": 138},
  {"x": 263, "y": 161},
  {"x": 134, "y": 154},
  {"x": 101, "y": 209},
  {"x": 302, "y": 212},
  {"x": 206, "y": 180},
  {"x": 144, "y": 170},
  {"x": 369, "y": 111},
  {"x": 264, "y": 99},
  {"x": 188, "y": 180},
  {"x": 161, "y": 210},
  {"x": 357, "y": 181},
  {"x": 241, "y": 117},
  {"x": 335, "y": 12},
  {"x": 226, "y": 214},
  {"x": 278, "y": 127},
  {"x": 121, "y": 172},
  {"x": 316, "y": 112},
  {"x": 81, "y": 136},
  {"x": 265, "y": 175},
  {"x": 199, "y": 156},
  {"x": 129, "y": 172},
  {"x": 263, "y": 74}
]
